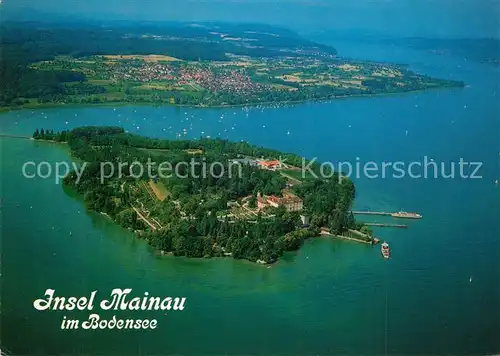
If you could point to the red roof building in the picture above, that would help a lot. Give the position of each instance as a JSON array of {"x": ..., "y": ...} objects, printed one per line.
[{"x": 271, "y": 165}]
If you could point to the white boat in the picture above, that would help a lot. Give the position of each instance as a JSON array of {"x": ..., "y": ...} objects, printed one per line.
[
  {"x": 386, "y": 251},
  {"x": 405, "y": 215}
]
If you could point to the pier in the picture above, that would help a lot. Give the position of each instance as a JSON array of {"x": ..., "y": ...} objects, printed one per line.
[
  {"x": 399, "y": 214},
  {"x": 400, "y": 226},
  {"x": 371, "y": 213},
  {"x": 16, "y": 136}
]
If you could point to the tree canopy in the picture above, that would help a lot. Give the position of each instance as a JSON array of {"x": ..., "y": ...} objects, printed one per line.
[{"x": 194, "y": 218}]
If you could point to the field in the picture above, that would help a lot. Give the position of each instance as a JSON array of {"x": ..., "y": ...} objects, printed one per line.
[{"x": 159, "y": 190}]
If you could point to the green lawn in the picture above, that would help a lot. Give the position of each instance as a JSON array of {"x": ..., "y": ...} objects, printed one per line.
[{"x": 298, "y": 174}]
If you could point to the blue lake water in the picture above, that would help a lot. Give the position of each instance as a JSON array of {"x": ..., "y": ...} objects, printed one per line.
[{"x": 441, "y": 286}]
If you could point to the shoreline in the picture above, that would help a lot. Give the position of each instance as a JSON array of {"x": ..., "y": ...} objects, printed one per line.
[
  {"x": 20, "y": 137},
  {"x": 7, "y": 109},
  {"x": 354, "y": 239},
  {"x": 374, "y": 240}
]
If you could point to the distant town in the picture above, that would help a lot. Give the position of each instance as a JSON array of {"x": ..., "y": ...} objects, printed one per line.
[
  {"x": 205, "y": 65},
  {"x": 242, "y": 80}
]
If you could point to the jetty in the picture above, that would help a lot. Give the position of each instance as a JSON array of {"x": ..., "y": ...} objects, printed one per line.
[
  {"x": 400, "y": 226},
  {"x": 371, "y": 213},
  {"x": 399, "y": 214},
  {"x": 16, "y": 136}
]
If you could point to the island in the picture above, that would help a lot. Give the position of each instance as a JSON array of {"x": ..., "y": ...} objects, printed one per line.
[
  {"x": 199, "y": 65},
  {"x": 252, "y": 203}
]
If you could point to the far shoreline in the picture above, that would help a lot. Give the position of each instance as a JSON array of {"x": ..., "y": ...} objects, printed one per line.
[{"x": 269, "y": 104}]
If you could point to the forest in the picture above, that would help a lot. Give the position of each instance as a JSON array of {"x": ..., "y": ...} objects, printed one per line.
[{"x": 193, "y": 219}]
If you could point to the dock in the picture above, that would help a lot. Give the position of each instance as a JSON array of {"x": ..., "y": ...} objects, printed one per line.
[
  {"x": 400, "y": 226},
  {"x": 398, "y": 215}
]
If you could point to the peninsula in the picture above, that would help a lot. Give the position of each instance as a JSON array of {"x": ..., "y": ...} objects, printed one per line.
[
  {"x": 206, "y": 197},
  {"x": 201, "y": 65}
]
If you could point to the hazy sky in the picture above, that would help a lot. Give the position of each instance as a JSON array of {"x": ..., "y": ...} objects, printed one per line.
[{"x": 443, "y": 18}]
